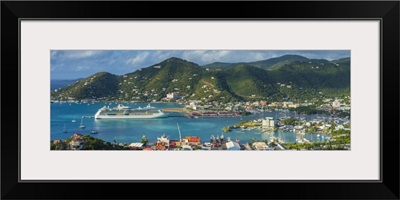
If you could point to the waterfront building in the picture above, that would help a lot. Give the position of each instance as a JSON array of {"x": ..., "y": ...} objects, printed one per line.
[
  {"x": 186, "y": 148},
  {"x": 260, "y": 146},
  {"x": 232, "y": 146},
  {"x": 287, "y": 104},
  {"x": 173, "y": 95},
  {"x": 136, "y": 145},
  {"x": 268, "y": 122},
  {"x": 193, "y": 140},
  {"x": 181, "y": 143},
  {"x": 339, "y": 127},
  {"x": 273, "y": 104},
  {"x": 77, "y": 142},
  {"x": 298, "y": 127},
  {"x": 336, "y": 104}
]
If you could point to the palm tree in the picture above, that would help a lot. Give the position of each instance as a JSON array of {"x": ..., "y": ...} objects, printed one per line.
[{"x": 144, "y": 141}]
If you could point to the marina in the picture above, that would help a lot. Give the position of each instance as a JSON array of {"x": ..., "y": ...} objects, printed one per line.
[{"x": 131, "y": 130}]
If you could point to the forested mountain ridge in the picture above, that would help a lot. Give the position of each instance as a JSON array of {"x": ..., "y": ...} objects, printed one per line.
[{"x": 289, "y": 76}]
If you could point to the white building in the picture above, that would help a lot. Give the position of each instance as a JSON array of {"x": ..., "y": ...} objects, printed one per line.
[
  {"x": 136, "y": 145},
  {"x": 173, "y": 95},
  {"x": 336, "y": 104},
  {"x": 268, "y": 122},
  {"x": 232, "y": 146},
  {"x": 76, "y": 144},
  {"x": 260, "y": 146},
  {"x": 287, "y": 104}
]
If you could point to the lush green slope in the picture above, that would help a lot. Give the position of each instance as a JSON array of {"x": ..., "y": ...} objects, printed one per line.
[
  {"x": 313, "y": 74},
  {"x": 249, "y": 82},
  {"x": 313, "y": 78},
  {"x": 284, "y": 79},
  {"x": 101, "y": 84},
  {"x": 263, "y": 64},
  {"x": 171, "y": 75}
]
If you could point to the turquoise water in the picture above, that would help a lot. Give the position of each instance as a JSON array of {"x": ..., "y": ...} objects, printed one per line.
[{"x": 131, "y": 130}]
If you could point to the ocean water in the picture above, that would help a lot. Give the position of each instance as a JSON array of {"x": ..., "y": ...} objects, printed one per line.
[{"x": 132, "y": 130}]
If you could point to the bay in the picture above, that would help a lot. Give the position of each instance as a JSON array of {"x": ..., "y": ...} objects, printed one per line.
[{"x": 132, "y": 130}]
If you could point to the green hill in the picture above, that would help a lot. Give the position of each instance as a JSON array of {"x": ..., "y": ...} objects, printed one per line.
[
  {"x": 263, "y": 64},
  {"x": 101, "y": 84},
  {"x": 285, "y": 78},
  {"x": 314, "y": 74},
  {"x": 249, "y": 82}
]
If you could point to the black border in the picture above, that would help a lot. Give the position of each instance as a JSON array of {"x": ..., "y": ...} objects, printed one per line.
[
  {"x": 387, "y": 12},
  {"x": 198, "y": 19}
]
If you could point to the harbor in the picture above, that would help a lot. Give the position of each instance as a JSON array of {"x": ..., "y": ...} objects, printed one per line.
[
  {"x": 69, "y": 118},
  {"x": 287, "y": 102}
]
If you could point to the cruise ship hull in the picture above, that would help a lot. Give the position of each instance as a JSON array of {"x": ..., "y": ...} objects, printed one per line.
[
  {"x": 126, "y": 113},
  {"x": 130, "y": 116}
]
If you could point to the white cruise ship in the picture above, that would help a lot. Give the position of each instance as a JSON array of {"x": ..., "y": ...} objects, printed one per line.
[{"x": 125, "y": 112}]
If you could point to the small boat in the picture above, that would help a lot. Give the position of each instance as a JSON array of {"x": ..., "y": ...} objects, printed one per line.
[
  {"x": 301, "y": 133},
  {"x": 318, "y": 135},
  {"x": 82, "y": 126},
  {"x": 93, "y": 131},
  {"x": 327, "y": 138},
  {"x": 73, "y": 120},
  {"x": 64, "y": 130}
]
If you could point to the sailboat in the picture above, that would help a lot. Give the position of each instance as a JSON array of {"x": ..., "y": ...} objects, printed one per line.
[
  {"x": 179, "y": 130},
  {"x": 82, "y": 126},
  {"x": 64, "y": 130},
  {"x": 93, "y": 131}
]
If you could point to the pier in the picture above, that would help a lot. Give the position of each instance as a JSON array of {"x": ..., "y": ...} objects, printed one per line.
[
  {"x": 200, "y": 113},
  {"x": 176, "y": 110}
]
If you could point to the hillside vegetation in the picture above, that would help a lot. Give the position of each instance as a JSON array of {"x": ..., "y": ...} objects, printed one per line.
[{"x": 289, "y": 76}]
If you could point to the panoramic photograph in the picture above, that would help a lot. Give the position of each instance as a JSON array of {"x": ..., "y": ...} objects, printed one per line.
[{"x": 200, "y": 100}]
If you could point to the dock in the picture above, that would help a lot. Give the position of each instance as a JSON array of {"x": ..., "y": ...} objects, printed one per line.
[
  {"x": 199, "y": 113},
  {"x": 176, "y": 110}
]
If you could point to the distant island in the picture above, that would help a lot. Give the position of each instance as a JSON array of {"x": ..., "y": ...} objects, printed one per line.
[{"x": 287, "y": 77}]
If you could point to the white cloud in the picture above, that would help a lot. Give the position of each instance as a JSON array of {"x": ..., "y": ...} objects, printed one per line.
[
  {"x": 258, "y": 56},
  {"x": 78, "y": 62},
  {"x": 81, "y": 68},
  {"x": 138, "y": 59},
  {"x": 80, "y": 54},
  {"x": 205, "y": 57},
  {"x": 163, "y": 55}
]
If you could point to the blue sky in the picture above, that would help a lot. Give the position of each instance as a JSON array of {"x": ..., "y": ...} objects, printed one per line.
[{"x": 72, "y": 64}]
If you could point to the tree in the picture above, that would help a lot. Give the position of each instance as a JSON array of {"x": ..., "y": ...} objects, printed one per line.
[
  {"x": 144, "y": 141},
  {"x": 59, "y": 147},
  {"x": 52, "y": 146},
  {"x": 333, "y": 127},
  {"x": 225, "y": 129}
]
